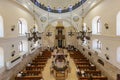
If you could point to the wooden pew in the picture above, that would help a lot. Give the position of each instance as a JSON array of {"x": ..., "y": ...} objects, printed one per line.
[
  {"x": 99, "y": 78},
  {"x": 93, "y": 78},
  {"x": 34, "y": 68},
  {"x": 29, "y": 77},
  {"x": 82, "y": 63},
  {"x": 83, "y": 78},
  {"x": 93, "y": 72},
  {"x": 38, "y": 63},
  {"x": 31, "y": 72},
  {"x": 87, "y": 68},
  {"x": 81, "y": 60},
  {"x": 39, "y": 60}
]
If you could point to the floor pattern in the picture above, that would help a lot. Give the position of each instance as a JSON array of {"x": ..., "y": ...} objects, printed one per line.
[{"x": 71, "y": 76}]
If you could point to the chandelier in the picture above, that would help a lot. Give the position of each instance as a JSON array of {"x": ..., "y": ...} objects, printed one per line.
[
  {"x": 71, "y": 33},
  {"x": 85, "y": 33},
  {"x": 49, "y": 34},
  {"x": 34, "y": 35}
]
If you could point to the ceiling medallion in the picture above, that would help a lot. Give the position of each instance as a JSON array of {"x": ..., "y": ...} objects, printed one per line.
[
  {"x": 76, "y": 18},
  {"x": 43, "y": 19}
]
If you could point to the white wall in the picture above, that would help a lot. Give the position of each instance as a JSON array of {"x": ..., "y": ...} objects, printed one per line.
[
  {"x": 108, "y": 15},
  {"x": 11, "y": 12},
  {"x": 107, "y": 10}
]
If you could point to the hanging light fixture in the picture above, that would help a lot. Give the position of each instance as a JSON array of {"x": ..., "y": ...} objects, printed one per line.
[
  {"x": 33, "y": 35},
  {"x": 84, "y": 34},
  {"x": 71, "y": 33},
  {"x": 48, "y": 33},
  {"x": 70, "y": 10}
]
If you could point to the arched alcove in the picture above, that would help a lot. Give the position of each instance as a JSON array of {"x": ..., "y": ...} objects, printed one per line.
[
  {"x": 97, "y": 45},
  {"x": 22, "y": 26},
  {"x": 1, "y": 27},
  {"x": 1, "y": 57},
  {"x": 118, "y": 24},
  {"x": 118, "y": 54},
  {"x": 23, "y": 46},
  {"x": 96, "y": 25}
]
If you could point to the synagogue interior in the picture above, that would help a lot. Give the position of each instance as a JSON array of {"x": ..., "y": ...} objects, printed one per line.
[{"x": 59, "y": 39}]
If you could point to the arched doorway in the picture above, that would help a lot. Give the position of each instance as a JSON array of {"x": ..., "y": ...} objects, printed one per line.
[
  {"x": 57, "y": 33},
  {"x": 1, "y": 27},
  {"x": 118, "y": 24},
  {"x": 1, "y": 57}
]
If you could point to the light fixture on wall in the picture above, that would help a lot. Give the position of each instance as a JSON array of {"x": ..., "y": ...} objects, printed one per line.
[
  {"x": 12, "y": 27},
  {"x": 84, "y": 34},
  {"x": 33, "y": 35},
  {"x": 71, "y": 33},
  {"x": 106, "y": 25},
  {"x": 107, "y": 56}
]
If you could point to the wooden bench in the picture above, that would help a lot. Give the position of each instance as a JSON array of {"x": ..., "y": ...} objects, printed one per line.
[
  {"x": 31, "y": 72},
  {"x": 93, "y": 72},
  {"x": 87, "y": 68},
  {"x": 99, "y": 78},
  {"x": 29, "y": 77},
  {"x": 34, "y": 67}
]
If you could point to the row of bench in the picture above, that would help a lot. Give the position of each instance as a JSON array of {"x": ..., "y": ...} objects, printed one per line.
[
  {"x": 85, "y": 69},
  {"x": 33, "y": 71}
]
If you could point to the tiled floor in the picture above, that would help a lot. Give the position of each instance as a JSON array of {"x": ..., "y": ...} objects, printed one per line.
[{"x": 71, "y": 75}]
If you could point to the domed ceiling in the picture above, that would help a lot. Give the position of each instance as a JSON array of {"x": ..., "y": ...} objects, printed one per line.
[
  {"x": 58, "y": 6},
  {"x": 55, "y": 4}
]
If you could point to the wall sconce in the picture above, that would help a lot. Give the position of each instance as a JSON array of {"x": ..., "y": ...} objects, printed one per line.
[
  {"x": 107, "y": 56},
  {"x": 106, "y": 25},
  {"x": 12, "y": 27}
]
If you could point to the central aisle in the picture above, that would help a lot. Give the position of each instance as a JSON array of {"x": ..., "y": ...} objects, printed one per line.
[{"x": 71, "y": 76}]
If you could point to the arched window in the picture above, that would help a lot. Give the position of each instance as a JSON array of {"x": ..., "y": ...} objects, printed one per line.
[
  {"x": 118, "y": 54},
  {"x": 22, "y": 26},
  {"x": 85, "y": 27},
  {"x": 23, "y": 46},
  {"x": 118, "y": 24},
  {"x": 1, "y": 27},
  {"x": 20, "y": 46},
  {"x": 1, "y": 57},
  {"x": 96, "y": 25},
  {"x": 97, "y": 45},
  {"x": 85, "y": 43}
]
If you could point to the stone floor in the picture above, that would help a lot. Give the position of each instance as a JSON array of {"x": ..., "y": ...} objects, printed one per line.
[{"x": 71, "y": 76}]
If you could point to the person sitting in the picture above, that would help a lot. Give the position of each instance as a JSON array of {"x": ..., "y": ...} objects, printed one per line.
[
  {"x": 19, "y": 74},
  {"x": 78, "y": 71},
  {"x": 83, "y": 73},
  {"x": 29, "y": 64}
]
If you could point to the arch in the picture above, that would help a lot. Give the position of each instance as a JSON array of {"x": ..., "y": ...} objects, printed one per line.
[
  {"x": 63, "y": 20},
  {"x": 1, "y": 57},
  {"x": 1, "y": 27},
  {"x": 22, "y": 26},
  {"x": 96, "y": 25},
  {"x": 118, "y": 24},
  {"x": 23, "y": 46},
  {"x": 118, "y": 55},
  {"x": 97, "y": 45}
]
